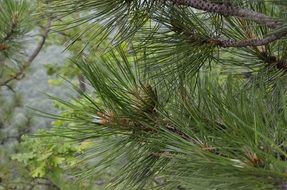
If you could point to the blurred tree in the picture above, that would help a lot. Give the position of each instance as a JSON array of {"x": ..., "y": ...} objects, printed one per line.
[{"x": 16, "y": 24}]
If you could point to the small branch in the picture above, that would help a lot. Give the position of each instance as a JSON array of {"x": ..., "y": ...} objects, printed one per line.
[
  {"x": 229, "y": 10},
  {"x": 20, "y": 74},
  {"x": 273, "y": 61},
  {"x": 229, "y": 42},
  {"x": 270, "y": 60},
  {"x": 16, "y": 76},
  {"x": 250, "y": 42},
  {"x": 183, "y": 135},
  {"x": 11, "y": 32},
  {"x": 41, "y": 43}
]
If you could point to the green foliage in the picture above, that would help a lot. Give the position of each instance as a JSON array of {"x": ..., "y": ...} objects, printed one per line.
[
  {"x": 170, "y": 106},
  {"x": 119, "y": 16},
  {"x": 14, "y": 22},
  {"x": 13, "y": 123},
  {"x": 78, "y": 46},
  {"x": 199, "y": 138},
  {"x": 47, "y": 154}
]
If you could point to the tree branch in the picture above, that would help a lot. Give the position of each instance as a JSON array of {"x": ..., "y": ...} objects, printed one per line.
[
  {"x": 250, "y": 42},
  {"x": 230, "y": 42},
  {"x": 9, "y": 34},
  {"x": 11, "y": 31},
  {"x": 41, "y": 43},
  {"x": 270, "y": 60},
  {"x": 20, "y": 74},
  {"x": 230, "y": 10},
  {"x": 273, "y": 61}
]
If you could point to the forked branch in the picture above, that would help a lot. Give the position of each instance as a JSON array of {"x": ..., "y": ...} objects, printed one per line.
[{"x": 230, "y": 10}]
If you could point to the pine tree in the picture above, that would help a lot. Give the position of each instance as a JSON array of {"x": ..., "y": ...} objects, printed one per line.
[{"x": 191, "y": 95}]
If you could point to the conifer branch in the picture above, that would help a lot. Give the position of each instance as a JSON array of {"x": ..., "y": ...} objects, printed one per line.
[
  {"x": 230, "y": 10},
  {"x": 250, "y": 42},
  {"x": 270, "y": 60},
  {"x": 273, "y": 61},
  {"x": 41, "y": 43},
  {"x": 12, "y": 30},
  {"x": 236, "y": 43},
  {"x": 222, "y": 43},
  {"x": 20, "y": 74},
  {"x": 9, "y": 34}
]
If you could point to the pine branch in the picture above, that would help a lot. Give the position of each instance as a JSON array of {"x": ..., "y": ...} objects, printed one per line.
[
  {"x": 12, "y": 30},
  {"x": 9, "y": 34},
  {"x": 250, "y": 42},
  {"x": 270, "y": 60},
  {"x": 273, "y": 61},
  {"x": 42, "y": 42},
  {"x": 221, "y": 43},
  {"x": 20, "y": 74},
  {"x": 235, "y": 43},
  {"x": 230, "y": 10}
]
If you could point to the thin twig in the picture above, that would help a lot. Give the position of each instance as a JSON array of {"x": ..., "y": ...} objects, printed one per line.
[
  {"x": 230, "y": 42},
  {"x": 250, "y": 42},
  {"x": 41, "y": 43}
]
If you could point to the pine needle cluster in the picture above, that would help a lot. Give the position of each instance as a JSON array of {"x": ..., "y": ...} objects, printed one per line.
[{"x": 191, "y": 95}]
